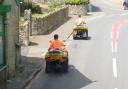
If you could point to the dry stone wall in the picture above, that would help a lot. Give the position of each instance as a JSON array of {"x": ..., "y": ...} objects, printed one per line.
[
  {"x": 77, "y": 9},
  {"x": 42, "y": 25}
]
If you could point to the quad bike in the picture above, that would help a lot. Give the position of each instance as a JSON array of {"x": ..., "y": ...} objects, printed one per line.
[
  {"x": 80, "y": 31},
  {"x": 56, "y": 60},
  {"x": 125, "y": 4}
]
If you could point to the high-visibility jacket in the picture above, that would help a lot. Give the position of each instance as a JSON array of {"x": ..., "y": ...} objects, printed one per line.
[
  {"x": 56, "y": 44},
  {"x": 80, "y": 21}
]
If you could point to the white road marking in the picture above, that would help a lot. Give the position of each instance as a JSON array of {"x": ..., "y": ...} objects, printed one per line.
[
  {"x": 123, "y": 14},
  {"x": 114, "y": 67}
]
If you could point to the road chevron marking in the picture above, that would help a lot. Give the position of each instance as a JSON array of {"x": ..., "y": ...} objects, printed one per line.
[
  {"x": 115, "y": 33},
  {"x": 114, "y": 67}
]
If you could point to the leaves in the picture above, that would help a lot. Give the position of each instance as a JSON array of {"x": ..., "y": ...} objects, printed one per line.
[{"x": 76, "y": 2}]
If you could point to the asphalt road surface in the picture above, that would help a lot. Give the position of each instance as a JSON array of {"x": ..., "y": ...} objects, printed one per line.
[{"x": 98, "y": 63}]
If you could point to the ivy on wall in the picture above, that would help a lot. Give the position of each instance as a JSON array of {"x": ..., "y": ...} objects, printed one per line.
[
  {"x": 18, "y": 2},
  {"x": 1, "y": 2}
]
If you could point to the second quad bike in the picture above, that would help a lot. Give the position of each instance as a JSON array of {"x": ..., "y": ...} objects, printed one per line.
[
  {"x": 125, "y": 4},
  {"x": 80, "y": 31}
]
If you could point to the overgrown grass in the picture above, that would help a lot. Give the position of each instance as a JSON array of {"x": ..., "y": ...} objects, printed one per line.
[
  {"x": 21, "y": 18},
  {"x": 54, "y": 5},
  {"x": 39, "y": 15}
]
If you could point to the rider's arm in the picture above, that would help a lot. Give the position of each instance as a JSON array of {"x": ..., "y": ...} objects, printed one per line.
[
  {"x": 51, "y": 46},
  {"x": 84, "y": 22},
  {"x": 76, "y": 22},
  {"x": 62, "y": 44}
]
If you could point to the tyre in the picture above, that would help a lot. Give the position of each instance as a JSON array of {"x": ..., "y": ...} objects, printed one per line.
[
  {"x": 47, "y": 69},
  {"x": 74, "y": 38},
  {"x": 125, "y": 7},
  {"x": 66, "y": 66},
  {"x": 85, "y": 38}
]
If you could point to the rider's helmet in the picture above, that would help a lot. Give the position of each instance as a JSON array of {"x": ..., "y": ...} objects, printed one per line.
[{"x": 56, "y": 36}]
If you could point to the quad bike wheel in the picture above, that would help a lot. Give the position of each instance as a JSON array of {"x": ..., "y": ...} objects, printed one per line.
[{"x": 47, "y": 69}]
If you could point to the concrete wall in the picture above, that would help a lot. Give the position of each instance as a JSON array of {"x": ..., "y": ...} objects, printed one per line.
[
  {"x": 47, "y": 23},
  {"x": 12, "y": 36}
]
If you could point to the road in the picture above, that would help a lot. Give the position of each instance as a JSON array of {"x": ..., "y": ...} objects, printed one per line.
[{"x": 98, "y": 63}]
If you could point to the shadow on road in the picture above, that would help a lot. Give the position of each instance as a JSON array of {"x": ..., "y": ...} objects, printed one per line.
[
  {"x": 33, "y": 44},
  {"x": 96, "y": 9},
  {"x": 71, "y": 80},
  {"x": 88, "y": 38}
]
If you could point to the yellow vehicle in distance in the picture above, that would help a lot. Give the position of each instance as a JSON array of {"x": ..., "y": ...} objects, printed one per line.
[{"x": 80, "y": 31}]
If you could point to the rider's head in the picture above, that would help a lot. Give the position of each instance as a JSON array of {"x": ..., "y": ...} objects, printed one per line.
[
  {"x": 56, "y": 36},
  {"x": 79, "y": 16}
]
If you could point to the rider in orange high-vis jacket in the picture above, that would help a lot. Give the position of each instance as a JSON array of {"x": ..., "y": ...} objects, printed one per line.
[{"x": 56, "y": 44}]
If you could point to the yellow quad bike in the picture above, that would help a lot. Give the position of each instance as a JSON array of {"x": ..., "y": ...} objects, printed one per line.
[
  {"x": 56, "y": 60},
  {"x": 80, "y": 31}
]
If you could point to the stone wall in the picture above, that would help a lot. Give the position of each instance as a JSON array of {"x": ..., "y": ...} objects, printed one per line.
[
  {"x": 47, "y": 23},
  {"x": 77, "y": 9},
  {"x": 24, "y": 34},
  {"x": 24, "y": 29}
]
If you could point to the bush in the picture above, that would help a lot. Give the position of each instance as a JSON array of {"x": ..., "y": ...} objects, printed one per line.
[
  {"x": 34, "y": 8},
  {"x": 76, "y": 2},
  {"x": 1, "y": 1},
  {"x": 53, "y": 5}
]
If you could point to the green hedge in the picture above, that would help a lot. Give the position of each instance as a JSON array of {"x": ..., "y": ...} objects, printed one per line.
[
  {"x": 76, "y": 2},
  {"x": 34, "y": 7}
]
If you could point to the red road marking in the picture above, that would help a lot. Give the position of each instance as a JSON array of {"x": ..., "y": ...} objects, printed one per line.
[{"x": 115, "y": 33}]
